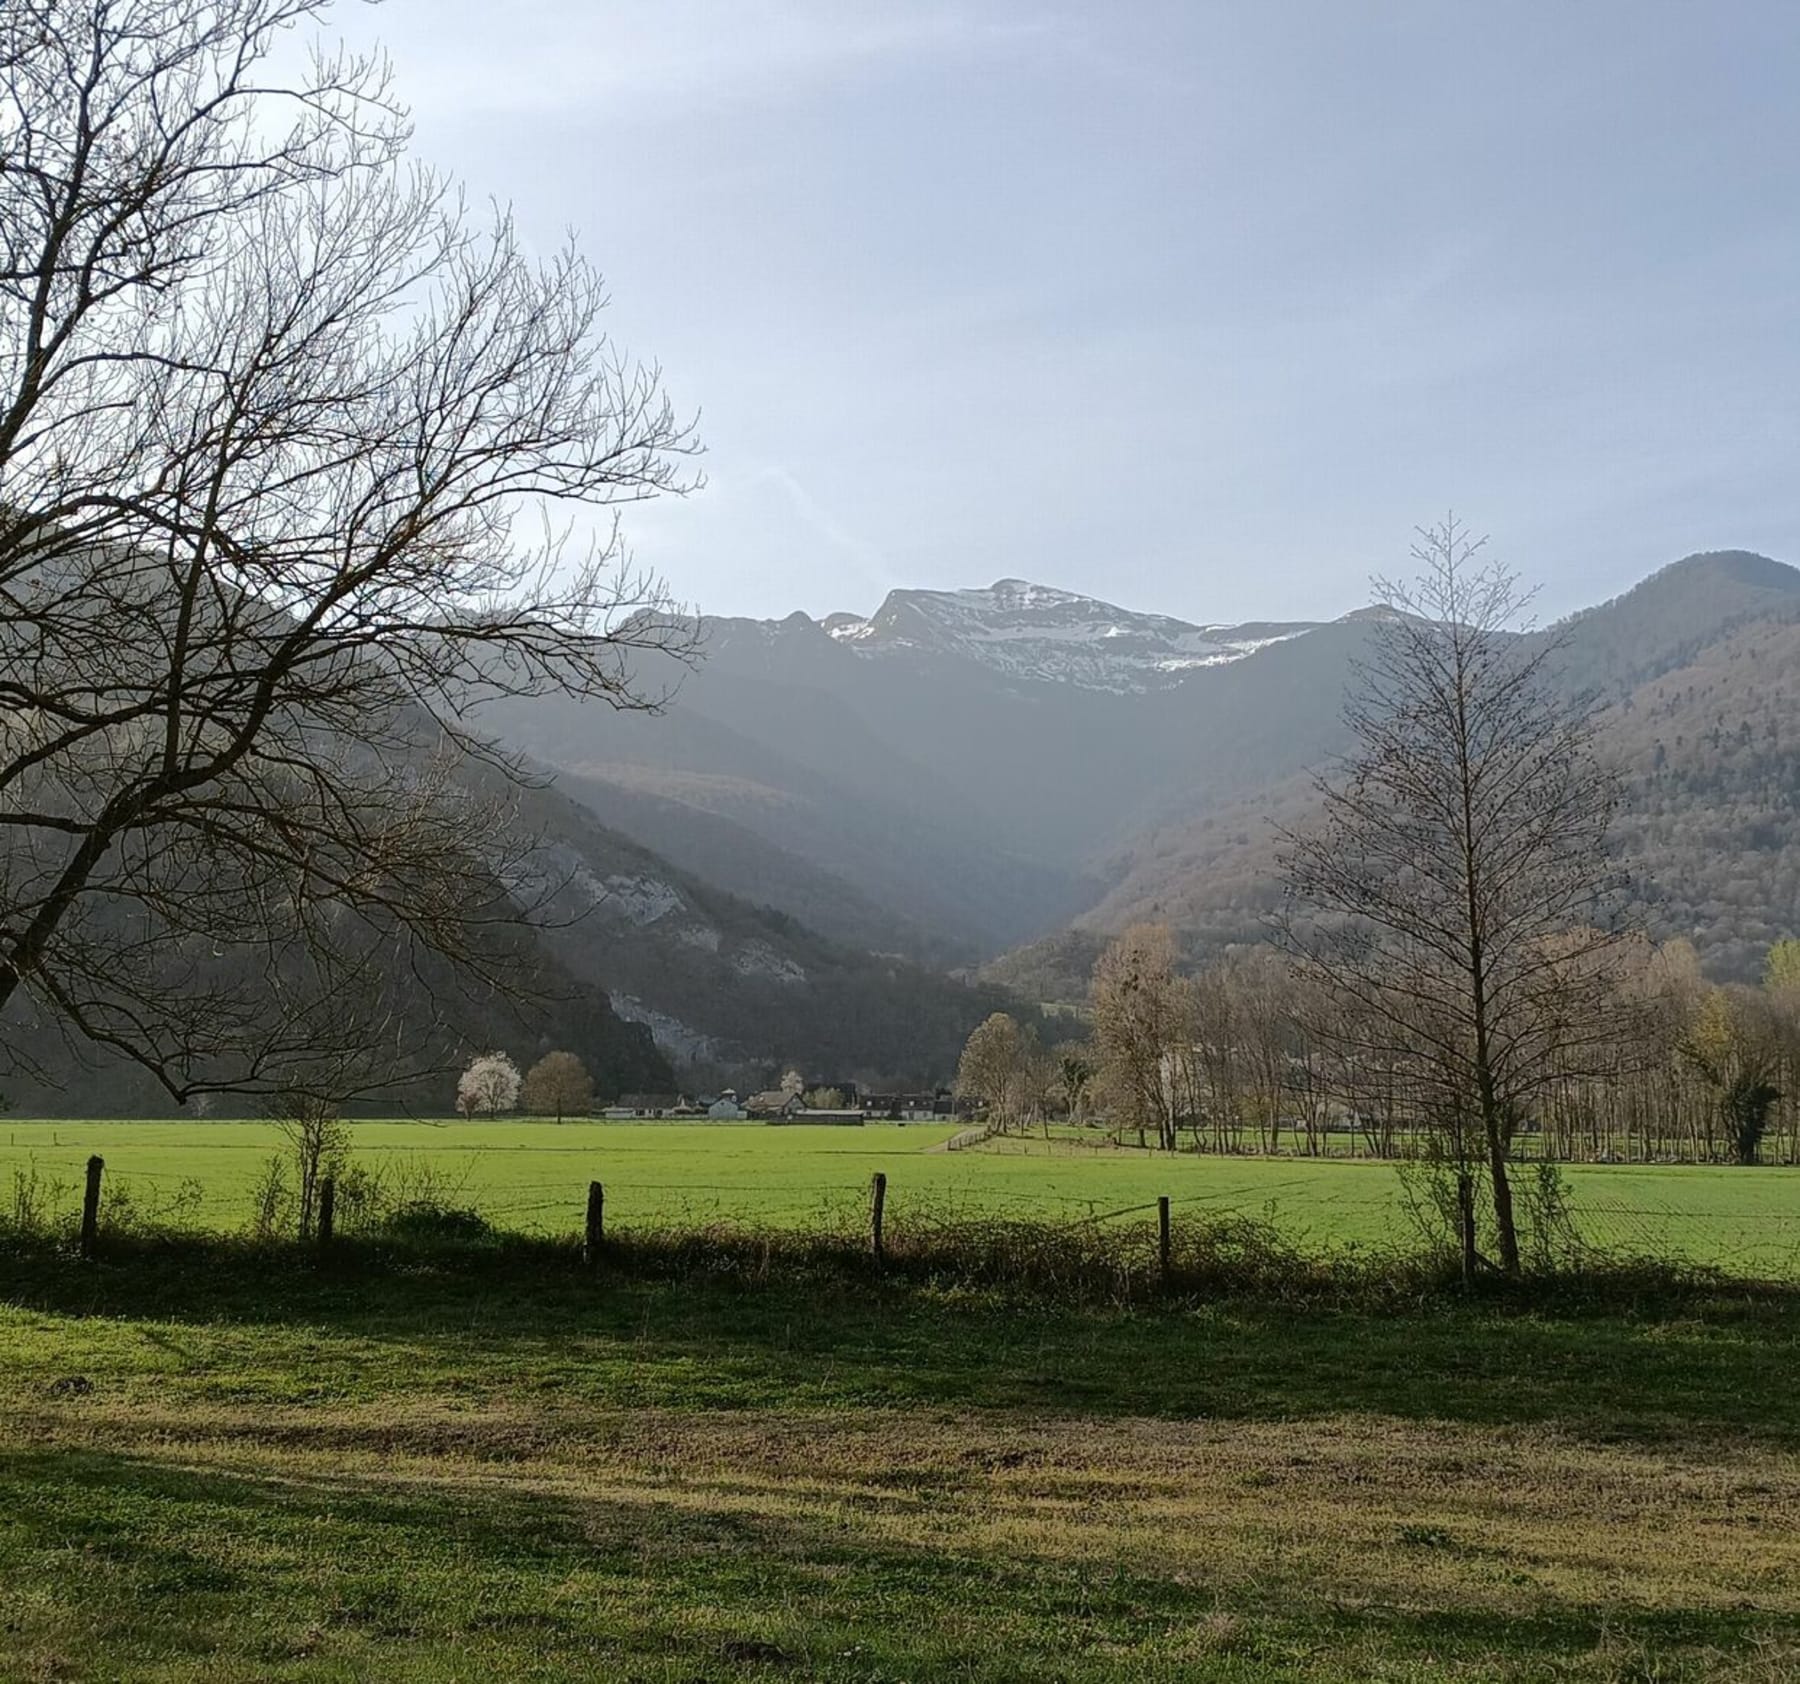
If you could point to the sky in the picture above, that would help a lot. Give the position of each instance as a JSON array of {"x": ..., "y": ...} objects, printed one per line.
[{"x": 1198, "y": 308}]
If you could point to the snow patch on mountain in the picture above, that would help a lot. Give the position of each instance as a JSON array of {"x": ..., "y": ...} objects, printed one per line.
[{"x": 1037, "y": 634}]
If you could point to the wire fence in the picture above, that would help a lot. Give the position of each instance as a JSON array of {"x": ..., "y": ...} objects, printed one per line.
[{"x": 1742, "y": 1221}]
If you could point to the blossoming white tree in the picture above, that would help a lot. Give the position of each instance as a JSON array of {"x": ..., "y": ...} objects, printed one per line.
[{"x": 489, "y": 1086}]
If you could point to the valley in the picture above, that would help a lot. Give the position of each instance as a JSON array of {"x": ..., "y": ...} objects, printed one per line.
[{"x": 1002, "y": 779}]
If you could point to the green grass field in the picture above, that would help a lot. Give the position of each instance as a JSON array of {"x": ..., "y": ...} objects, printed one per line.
[
  {"x": 532, "y": 1176},
  {"x": 220, "y": 1465}
]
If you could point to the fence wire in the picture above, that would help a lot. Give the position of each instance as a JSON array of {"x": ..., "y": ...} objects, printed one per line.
[{"x": 1745, "y": 1230}]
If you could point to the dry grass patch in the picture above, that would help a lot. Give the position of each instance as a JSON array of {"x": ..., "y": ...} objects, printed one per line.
[
  {"x": 456, "y": 1474},
  {"x": 1358, "y": 1512}
]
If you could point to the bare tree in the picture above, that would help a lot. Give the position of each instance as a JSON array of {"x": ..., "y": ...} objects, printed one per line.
[
  {"x": 1312, "y": 1082},
  {"x": 309, "y": 1095},
  {"x": 299, "y": 466},
  {"x": 1216, "y": 1075},
  {"x": 1040, "y": 1080},
  {"x": 993, "y": 1068},
  {"x": 557, "y": 1084},
  {"x": 1451, "y": 896},
  {"x": 317, "y": 1138},
  {"x": 1074, "y": 1077},
  {"x": 1260, "y": 980},
  {"x": 1143, "y": 1024}
]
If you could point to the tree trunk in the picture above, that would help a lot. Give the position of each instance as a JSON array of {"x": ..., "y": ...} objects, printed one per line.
[{"x": 1504, "y": 1223}]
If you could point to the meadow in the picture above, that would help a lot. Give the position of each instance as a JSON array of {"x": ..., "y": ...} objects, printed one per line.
[
  {"x": 531, "y": 1177},
  {"x": 721, "y": 1460},
  {"x": 221, "y": 1462}
]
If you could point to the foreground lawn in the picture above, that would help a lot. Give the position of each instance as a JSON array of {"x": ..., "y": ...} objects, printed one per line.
[
  {"x": 532, "y": 1177},
  {"x": 219, "y": 1466}
]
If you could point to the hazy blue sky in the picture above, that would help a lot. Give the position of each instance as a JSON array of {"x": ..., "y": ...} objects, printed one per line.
[{"x": 1196, "y": 307}]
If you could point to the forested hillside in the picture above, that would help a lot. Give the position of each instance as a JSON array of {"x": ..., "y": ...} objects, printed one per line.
[
  {"x": 1676, "y": 614},
  {"x": 1712, "y": 755},
  {"x": 1702, "y": 665}
]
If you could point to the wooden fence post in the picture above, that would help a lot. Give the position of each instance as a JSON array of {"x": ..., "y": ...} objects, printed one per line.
[
  {"x": 1162, "y": 1235},
  {"x": 878, "y": 1189},
  {"x": 327, "y": 1209},
  {"x": 90, "y": 1208},
  {"x": 596, "y": 1224},
  {"x": 1465, "y": 1212}
]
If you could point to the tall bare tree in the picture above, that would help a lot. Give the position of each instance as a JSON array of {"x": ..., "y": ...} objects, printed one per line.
[
  {"x": 990, "y": 1062},
  {"x": 1143, "y": 1027},
  {"x": 299, "y": 465},
  {"x": 1216, "y": 1066},
  {"x": 1452, "y": 894},
  {"x": 996, "y": 1067},
  {"x": 1265, "y": 993}
]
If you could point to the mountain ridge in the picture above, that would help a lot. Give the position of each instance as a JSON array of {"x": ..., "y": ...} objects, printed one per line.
[
  {"x": 1036, "y": 633},
  {"x": 965, "y": 775}
]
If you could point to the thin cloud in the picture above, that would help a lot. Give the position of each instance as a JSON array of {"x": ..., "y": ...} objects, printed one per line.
[{"x": 633, "y": 62}]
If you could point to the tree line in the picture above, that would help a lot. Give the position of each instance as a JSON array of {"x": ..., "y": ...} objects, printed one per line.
[{"x": 1242, "y": 1057}]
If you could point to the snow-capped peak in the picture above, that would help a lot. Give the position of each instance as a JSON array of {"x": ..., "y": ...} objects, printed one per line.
[{"x": 1037, "y": 633}]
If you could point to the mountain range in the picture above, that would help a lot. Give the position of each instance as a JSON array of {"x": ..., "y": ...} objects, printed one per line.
[
  {"x": 1033, "y": 633},
  {"x": 995, "y": 780}
]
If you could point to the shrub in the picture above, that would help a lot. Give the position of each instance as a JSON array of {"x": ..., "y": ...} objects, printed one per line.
[
  {"x": 421, "y": 1221},
  {"x": 127, "y": 1209},
  {"x": 30, "y": 1213},
  {"x": 272, "y": 1201}
]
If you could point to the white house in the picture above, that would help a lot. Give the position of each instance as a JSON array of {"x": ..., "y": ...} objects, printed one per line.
[{"x": 726, "y": 1108}]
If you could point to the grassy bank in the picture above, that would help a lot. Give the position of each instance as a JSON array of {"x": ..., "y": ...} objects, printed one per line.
[{"x": 220, "y": 1463}]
